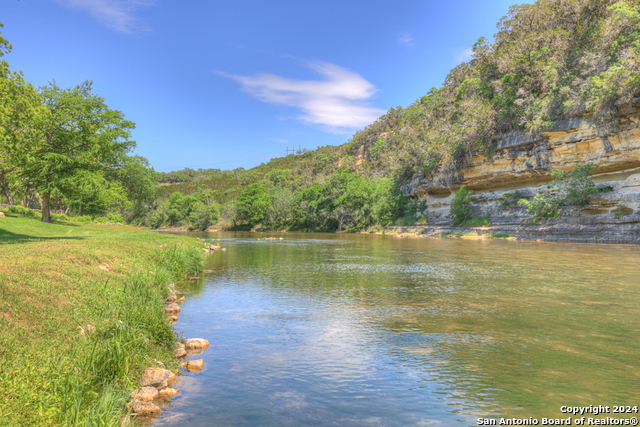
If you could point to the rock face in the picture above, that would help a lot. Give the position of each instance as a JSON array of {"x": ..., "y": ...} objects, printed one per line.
[{"x": 524, "y": 163}]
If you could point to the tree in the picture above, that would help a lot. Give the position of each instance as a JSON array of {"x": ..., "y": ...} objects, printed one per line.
[
  {"x": 461, "y": 206},
  {"x": 79, "y": 135},
  {"x": 253, "y": 204},
  {"x": 20, "y": 112}
]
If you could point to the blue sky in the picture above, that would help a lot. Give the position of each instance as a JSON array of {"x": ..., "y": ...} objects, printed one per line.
[{"x": 231, "y": 84}]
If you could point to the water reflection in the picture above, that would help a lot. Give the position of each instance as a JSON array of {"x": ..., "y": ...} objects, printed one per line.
[{"x": 373, "y": 330}]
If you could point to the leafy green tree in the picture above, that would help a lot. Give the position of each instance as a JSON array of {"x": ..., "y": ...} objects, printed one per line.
[
  {"x": 80, "y": 135},
  {"x": 21, "y": 114},
  {"x": 575, "y": 187},
  {"x": 204, "y": 215},
  {"x": 253, "y": 204},
  {"x": 461, "y": 206}
]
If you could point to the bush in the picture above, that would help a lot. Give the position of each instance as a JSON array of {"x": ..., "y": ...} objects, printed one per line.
[
  {"x": 59, "y": 216},
  {"x": 115, "y": 218},
  {"x": 461, "y": 206},
  {"x": 21, "y": 210},
  {"x": 101, "y": 219},
  {"x": 542, "y": 206},
  {"x": 83, "y": 218},
  {"x": 575, "y": 187},
  {"x": 511, "y": 198}
]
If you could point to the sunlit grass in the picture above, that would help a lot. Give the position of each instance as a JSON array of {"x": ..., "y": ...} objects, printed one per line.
[{"x": 56, "y": 278}]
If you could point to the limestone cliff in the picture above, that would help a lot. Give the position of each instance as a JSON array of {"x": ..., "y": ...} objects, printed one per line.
[{"x": 524, "y": 163}]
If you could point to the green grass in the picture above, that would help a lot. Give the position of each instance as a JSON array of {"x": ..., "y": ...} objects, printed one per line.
[{"x": 57, "y": 277}]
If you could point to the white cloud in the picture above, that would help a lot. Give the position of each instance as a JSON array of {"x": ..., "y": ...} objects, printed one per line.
[
  {"x": 116, "y": 14},
  {"x": 464, "y": 56},
  {"x": 405, "y": 39},
  {"x": 279, "y": 140},
  {"x": 339, "y": 102}
]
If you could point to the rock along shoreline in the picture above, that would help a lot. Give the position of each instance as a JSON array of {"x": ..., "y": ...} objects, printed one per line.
[{"x": 157, "y": 382}]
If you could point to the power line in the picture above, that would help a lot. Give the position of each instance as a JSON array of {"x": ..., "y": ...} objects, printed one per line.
[{"x": 212, "y": 164}]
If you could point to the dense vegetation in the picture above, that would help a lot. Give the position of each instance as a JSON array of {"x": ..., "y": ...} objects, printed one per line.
[{"x": 550, "y": 60}]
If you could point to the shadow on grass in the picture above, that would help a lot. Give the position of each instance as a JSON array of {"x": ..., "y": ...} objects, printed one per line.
[{"x": 9, "y": 237}]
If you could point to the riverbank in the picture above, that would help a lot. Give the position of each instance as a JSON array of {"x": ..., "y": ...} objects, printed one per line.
[
  {"x": 82, "y": 314},
  {"x": 593, "y": 229}
]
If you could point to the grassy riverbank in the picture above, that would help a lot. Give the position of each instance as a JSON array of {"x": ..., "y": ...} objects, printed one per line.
[{"x": 56, "y": 278}]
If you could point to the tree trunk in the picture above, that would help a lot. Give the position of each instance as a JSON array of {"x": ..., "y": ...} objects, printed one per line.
[{"x": 46, "y": 216}]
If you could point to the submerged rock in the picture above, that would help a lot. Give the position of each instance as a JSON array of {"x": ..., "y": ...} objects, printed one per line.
[
  {"x": 182, "y": 299},
  {"x": 145, "y": 394},
  {"x": 167, "y": 393},
  {"x": 193, "y": 365},
  {"x": 173, "y": 308},
  {"x": 195, "y": 343}
]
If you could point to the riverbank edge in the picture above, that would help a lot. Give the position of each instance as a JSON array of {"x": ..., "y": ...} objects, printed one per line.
[
  {"x": 147, "y": 272},
  {"x": 623, "y": 230}
]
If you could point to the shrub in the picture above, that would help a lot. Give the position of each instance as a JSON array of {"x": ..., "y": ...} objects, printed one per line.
[
  {"x": 542, "y": 206},
  {"x": 575, "y": 187},
  {"x": 101, "y": 219},
  {"x": 59, "y": 216},
  {"x": 115, "y": 218},
  {"x": 510, "y": 199},
  {"x": 461, "y": 206},
  {"x": 83, "y": 218},
  {"x": 21, "y": 210}
]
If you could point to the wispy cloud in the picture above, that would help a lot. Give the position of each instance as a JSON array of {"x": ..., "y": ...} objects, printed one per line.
[
  {"x": 464, "y": 56},
  {"x": 279, "y": 140},
  {"x": 405, "y": 39},
  {"x": 116, "y": 14},
  {"x": 339, "y": 103}
]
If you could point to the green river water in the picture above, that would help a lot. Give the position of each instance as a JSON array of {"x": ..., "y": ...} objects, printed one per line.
[{"x": 371, "y": 330}]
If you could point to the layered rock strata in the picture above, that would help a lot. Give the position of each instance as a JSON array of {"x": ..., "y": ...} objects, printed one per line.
[{"x": 524, "y": 163}]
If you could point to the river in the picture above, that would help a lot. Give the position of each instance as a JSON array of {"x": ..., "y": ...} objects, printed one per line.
[{"x": 373, "y": 330}]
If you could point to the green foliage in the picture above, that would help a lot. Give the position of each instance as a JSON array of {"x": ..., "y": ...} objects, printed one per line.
[
  {"x": 511, "y": 198},
  {"x": 542, "y": 206},
  {"x": 461, "y": 205},
  {"x": 204, "y": 216},
  {"x": 574, "y": 188},
  {"x": 254, "y": 203},
  {"x": 476, "y": 221},
  {"x": 116, "y": 218},
  {"x": 21, "y": 210}
]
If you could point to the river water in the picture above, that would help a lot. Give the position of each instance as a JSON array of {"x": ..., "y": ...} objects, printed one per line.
[{"x": 370, "y": 330}]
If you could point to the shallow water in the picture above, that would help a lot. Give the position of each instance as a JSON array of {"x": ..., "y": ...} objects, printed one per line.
[{"x": 369, "y": 330}]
